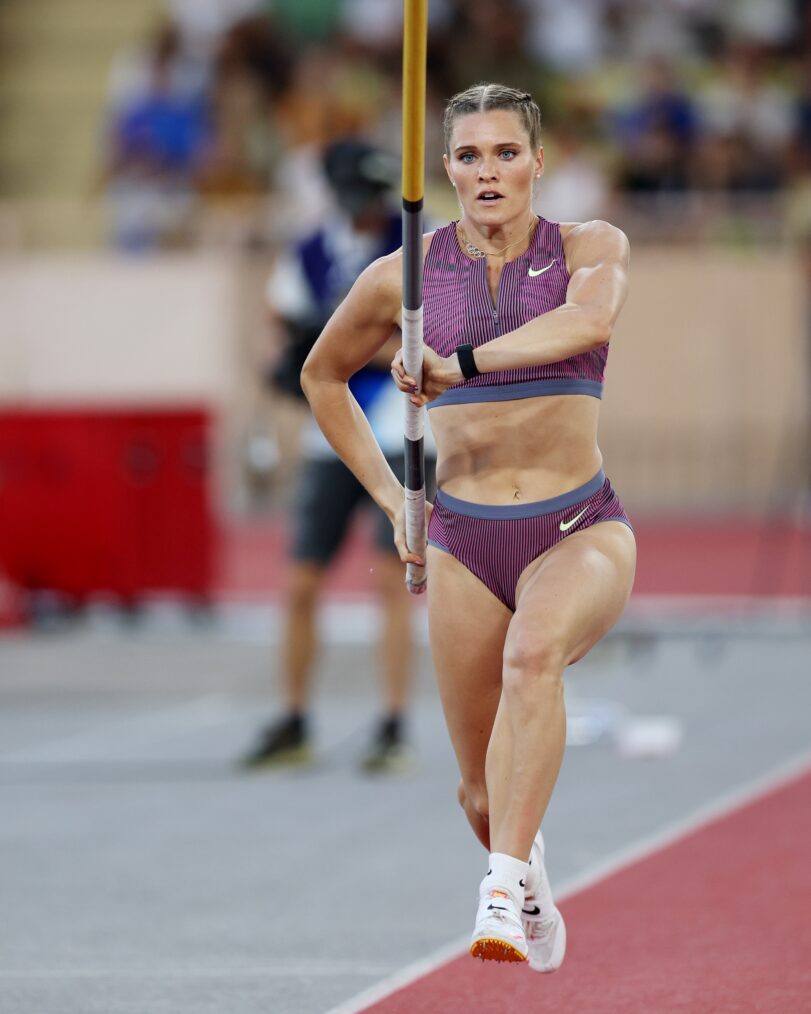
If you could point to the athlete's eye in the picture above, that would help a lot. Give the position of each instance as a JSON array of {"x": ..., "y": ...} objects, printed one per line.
[
  {"x": 467, "y": 157},
  {"x": 508, "y": 154}
]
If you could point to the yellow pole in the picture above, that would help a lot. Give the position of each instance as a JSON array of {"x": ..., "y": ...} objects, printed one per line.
[
  {"x": 415, "y": 46},
  {"x": 415, "y": 55}
]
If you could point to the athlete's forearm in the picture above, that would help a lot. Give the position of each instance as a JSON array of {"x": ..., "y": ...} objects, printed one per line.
[
  {"x": 566, "y": 331},
  {"x": 346, "y": 428}
]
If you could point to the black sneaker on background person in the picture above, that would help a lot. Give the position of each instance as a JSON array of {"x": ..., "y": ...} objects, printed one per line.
[
  {"x": 285, "y": 742},
  {"x": 388, "y": 753}
]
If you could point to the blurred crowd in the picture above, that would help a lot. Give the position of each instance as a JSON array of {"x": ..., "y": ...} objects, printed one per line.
[{"x": 660, "y": 114}]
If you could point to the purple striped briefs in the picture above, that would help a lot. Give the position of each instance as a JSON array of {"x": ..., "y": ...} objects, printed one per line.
[{"x": 497, "y": 542}]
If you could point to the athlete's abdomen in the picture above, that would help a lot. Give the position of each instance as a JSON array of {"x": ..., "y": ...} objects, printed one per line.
[{"x": 508, "y": 452}]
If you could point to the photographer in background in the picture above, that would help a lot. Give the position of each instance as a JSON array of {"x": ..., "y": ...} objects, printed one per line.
[{"x": 308, "y": 282}]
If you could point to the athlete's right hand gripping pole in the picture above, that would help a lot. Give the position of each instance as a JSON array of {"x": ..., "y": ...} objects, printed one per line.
[{"x": 414, "y": 64}]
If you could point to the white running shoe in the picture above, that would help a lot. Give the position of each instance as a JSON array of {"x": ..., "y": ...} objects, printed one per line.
[
  {"x": 499, "y": 935},
  {"x": 541, "y": 920},
  {"x": 546, "y": 938}
]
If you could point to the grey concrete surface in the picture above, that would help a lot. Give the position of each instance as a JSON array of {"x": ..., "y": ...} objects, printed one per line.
[{"x": 141, "y": 871}]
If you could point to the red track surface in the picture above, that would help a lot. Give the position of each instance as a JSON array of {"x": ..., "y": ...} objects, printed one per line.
[
  {"x": 712, "y": 557},
  {"x": 717, "y": 922}
]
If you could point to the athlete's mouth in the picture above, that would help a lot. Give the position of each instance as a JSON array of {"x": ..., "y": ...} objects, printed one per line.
[{"x": 490, "y": 196}]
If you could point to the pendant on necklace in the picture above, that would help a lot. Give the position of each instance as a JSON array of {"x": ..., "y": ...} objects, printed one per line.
[{"x": 478, "y": 254}]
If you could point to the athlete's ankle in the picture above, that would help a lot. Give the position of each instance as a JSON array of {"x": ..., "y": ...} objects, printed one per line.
[
  {"x": 505, "y": 873},
  {"x": 538, "y": 888},
  {"x": 534, "y": 869}
]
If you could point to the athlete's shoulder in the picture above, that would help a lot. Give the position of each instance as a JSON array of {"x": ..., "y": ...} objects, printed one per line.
[
  {"x": 595, "y": 241},
  {"x": 596, "y": 237},
  {"x": 378, "y": 288}
]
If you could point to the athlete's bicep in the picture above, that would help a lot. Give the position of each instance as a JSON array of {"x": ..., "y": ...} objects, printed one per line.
[
  {"x": 598, "y": 265},
  {"x": 359, "y": 327}
]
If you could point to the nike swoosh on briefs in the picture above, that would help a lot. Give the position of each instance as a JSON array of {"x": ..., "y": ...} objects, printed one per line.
[
  {"x": 533, "y": 273},
  {"x": 565, "y": 527}
]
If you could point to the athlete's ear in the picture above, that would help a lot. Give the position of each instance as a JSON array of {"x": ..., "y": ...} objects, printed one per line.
[
  {"x": 539, "y": 163},
  {"x": 447, "y": 165}
]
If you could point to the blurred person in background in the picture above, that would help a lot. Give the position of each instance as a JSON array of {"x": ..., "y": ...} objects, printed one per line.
[
  {"x": 376, "y": 26},
  {"x": 578, "y": 188},
  {"x": 253, "y": 67},
  {"x": 307, "y": 284},
  {"x": 159, "y": 130},
  {"x": 309, "y": 22},
  {"x": 331, "y": 95},
  {"x": 203, "y": 23},
  {"x": 657, "y": 130},
  {"x": 570, "y": 37},
  {"x": 749, "y": 117},
  {"x": 492, "y": 38}
]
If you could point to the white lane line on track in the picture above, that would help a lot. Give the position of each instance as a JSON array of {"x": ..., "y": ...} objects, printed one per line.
[
  {"x": 407, "y": 975},
  {"x": 118, "y": 733},
  {"x": 287, "y": 970},
  {"x": 719, "y": 808}
]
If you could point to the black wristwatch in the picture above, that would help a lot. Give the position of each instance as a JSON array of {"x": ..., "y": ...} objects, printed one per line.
[{"x": 467, "y": 362}]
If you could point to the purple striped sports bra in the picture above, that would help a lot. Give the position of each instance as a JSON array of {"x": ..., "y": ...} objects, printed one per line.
[{"x": 458, "y": 307}]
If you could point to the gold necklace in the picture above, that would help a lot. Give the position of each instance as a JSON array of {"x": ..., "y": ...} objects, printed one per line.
[{"x": 477, "y": 253}]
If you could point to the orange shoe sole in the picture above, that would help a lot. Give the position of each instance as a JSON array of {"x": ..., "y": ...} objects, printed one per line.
[{"x": 490, "y": 949}]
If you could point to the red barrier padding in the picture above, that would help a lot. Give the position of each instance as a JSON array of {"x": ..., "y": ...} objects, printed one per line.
[{"x": 106, "y": 500}]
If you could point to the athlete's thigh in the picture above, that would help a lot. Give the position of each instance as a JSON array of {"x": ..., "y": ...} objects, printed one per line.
[
  {"x": 574, "y": 594},
  {"x": 467, "y": 626}
]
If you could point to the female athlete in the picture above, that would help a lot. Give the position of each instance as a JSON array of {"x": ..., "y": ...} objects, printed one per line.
[{"x": 531, "y": 556}]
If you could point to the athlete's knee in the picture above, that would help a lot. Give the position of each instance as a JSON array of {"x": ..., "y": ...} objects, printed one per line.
[
  {"x": 303, "y": 586},
  {"x": 533, "y": 657},
  {"x": 474, "y": 798}
]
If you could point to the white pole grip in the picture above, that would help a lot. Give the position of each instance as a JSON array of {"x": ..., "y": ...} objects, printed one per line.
[
  {"x": 416, "y": 577},
  {"x": 414, "y": 430}
]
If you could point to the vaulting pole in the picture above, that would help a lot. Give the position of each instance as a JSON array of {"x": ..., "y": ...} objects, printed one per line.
[{"x": 415, "y": 18}]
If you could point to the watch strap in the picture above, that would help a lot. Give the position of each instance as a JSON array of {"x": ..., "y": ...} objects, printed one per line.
[{"x": 467, "y": 361}]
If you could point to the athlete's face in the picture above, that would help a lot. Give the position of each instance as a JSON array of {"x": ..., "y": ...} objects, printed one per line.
[{"x": 492, "y": 166}]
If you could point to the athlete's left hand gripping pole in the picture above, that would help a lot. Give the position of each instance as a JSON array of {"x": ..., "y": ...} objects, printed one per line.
[{"x": 415, "y": 16}]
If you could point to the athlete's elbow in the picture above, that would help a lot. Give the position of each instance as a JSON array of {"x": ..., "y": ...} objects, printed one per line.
[
  {"x": 307, "y": 380},
  {"x": 311, "y": 374},
  {"x": 316, "y": 378}
]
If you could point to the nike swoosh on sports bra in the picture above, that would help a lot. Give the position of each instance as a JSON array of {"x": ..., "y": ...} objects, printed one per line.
[{"x": 458, "y": 308}]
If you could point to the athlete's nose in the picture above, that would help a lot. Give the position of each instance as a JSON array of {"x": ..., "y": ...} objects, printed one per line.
[{"x": 488, "y": 170}]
